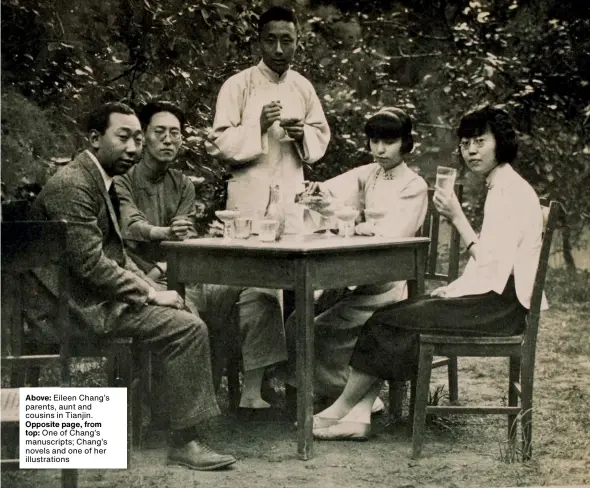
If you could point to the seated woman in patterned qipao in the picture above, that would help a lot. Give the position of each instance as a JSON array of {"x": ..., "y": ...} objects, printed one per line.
[
  {"x": 491, "y": 297},
  {"x": 389, "y": 184}
]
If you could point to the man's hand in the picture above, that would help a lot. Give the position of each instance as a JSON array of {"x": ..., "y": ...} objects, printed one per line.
[
  {"x": 168, "y": 298},
  {"x": 271, "y": 112},
  {"x": 294, "y": 129},
  {"x": 179, "y": 229}
]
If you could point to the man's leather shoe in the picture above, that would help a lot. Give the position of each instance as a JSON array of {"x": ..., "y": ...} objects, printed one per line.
[{"x": 195, "y": 455}]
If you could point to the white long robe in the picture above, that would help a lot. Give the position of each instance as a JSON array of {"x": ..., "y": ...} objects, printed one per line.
[{"x": 257, "y": 159}]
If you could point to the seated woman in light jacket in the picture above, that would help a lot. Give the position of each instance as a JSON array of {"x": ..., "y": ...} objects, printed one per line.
[
  {"x": 491, "y": 297},
  {"x": 389, "y": 184}
]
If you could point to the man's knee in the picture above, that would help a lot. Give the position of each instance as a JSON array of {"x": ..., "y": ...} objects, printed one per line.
[
  {"x": 262, "y": 301},
  {"x": 191, "y": 323}
]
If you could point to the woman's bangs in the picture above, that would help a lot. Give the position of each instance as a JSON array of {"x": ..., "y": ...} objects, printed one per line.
[
  {"x": 473, "y": 124},
  {"x": 383, "y": 127}
]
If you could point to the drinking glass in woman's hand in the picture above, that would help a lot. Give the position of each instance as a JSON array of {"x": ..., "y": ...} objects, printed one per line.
[
  {"x": 446, "y": 204},
  {"x": 315, "y": 198}
]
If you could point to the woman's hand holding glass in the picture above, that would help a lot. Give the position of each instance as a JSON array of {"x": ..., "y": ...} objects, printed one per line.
[
  {"x": 317, "y": 198},
  {"x": 447, "y": 204}
]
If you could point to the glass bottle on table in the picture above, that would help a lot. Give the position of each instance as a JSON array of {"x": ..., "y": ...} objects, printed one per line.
[{"x": 275, "y": 209}]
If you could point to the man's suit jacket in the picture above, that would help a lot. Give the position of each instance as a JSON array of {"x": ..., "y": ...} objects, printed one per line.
[{"x": 104, "y": 282}]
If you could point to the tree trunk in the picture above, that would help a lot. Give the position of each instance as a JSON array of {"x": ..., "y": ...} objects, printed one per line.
[{"x": 568, "y": 256}]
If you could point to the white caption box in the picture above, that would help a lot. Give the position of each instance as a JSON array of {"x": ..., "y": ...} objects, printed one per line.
[{"x": 83, "y": 428}]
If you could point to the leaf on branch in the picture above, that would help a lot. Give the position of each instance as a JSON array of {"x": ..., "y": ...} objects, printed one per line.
[
  {"x": 482, "y": 17},
  {"x": 490, "y": 84}
]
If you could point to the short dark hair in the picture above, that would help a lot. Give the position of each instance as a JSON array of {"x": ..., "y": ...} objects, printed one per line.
[
  {"x": 147, "y": 111},
  {"x": 276, "y": 13},
  {"x": 98, "y": 119},
  {"x": 477, "y": 121},
  {"x": 391, "y": 123}
]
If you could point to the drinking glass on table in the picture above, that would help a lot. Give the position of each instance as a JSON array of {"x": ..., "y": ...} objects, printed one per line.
[
  {"x": 243, "y": 227},
  {"x": 346, "y": 216},
  {"x": 374, "y": 215},
  {"x": 445, "y": 179},
  {"x": 227, "y": 217},
  {"x": 267, "y": 230}
]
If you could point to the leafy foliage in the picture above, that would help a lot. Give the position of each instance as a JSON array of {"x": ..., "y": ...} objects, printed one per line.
[{"x": 434, "y": 59}]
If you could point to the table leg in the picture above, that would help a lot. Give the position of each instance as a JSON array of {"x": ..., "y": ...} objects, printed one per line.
[
  {"x": 305, "y": 351},
  {"x": 172, "y": 275},
  {"x": 416, "y": 286},
  {"x": 397, "y": 389}
]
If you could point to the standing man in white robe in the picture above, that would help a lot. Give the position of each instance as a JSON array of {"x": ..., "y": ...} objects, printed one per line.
[{"x": 268, "y": 122}]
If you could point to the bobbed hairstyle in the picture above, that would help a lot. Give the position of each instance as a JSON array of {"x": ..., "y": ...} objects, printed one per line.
[
  {"x": 98, "y": 119},
  {"x": 477, "y": 121},
  {"x": 391, "y": 123},
  {"x": 154, "y": 107},
  {"x": 276, "y": 14}
]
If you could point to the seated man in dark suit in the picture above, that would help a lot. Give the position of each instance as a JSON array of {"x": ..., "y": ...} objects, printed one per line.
[{"x": 110, "y": 296}]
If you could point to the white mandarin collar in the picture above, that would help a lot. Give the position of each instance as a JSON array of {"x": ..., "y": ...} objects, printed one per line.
[
  {"x": 500, "y": 172},
  {"x": 270, "y": 74},
  {"x": 108, "y": 180}
]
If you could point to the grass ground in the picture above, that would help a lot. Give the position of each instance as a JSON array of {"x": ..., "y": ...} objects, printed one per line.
[{"x": 465, "y": 451}]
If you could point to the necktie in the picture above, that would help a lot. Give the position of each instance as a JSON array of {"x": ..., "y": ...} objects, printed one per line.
[{"x": 115, "y": 201}]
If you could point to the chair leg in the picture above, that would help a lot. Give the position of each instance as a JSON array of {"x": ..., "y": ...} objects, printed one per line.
[
  {"x": 421, "y": 399},
  {"x": 291, "y": 401},
  {"x": 123, "y": 377},
  {"x": 453, "y": 380},
  {"x": 136, "y": 394},
  {"x": 397, "y": 392},
  {"x": 412, "y": 398},
  {"x": 527, "y": 412},
  {"x": 513, "y": 377},
  {"x": 69, "y": 478},
  {"x": 111, "y": 369},
  {"x": 233, "y": 381}
]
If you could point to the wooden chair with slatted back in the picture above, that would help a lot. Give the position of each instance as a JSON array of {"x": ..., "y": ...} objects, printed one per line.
[
  {"x": 432, "y": 229},
  {"x": 520, "y": 350},
  {"x": 26, "y": 245},
  {"x": 123, "y": 354}
]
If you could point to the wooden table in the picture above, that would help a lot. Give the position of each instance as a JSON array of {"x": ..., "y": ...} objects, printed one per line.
[{"x": 303, "y": 264}]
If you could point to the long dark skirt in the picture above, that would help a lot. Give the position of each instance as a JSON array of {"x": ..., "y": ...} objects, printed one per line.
[{"x": 388, "y": 345}]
